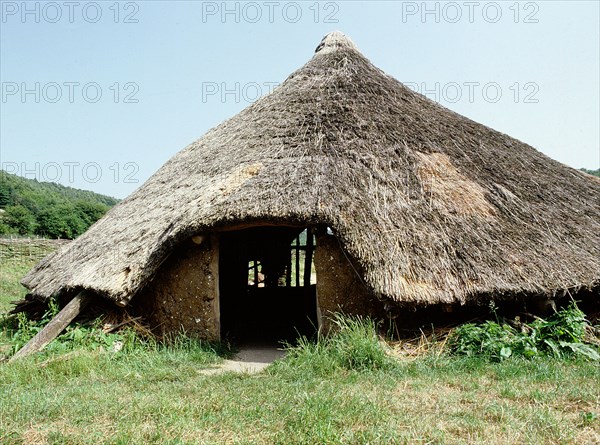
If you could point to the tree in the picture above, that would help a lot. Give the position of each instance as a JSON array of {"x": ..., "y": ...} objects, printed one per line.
[
  {"x": 90, "y": 212},
  {"x": 62, "y": 221},
  {"x": 5, "y": 194},
  {"x": 58, "y": 211},
  {"x": 74, "y": 221},
  {"x": 591, "y": 172},
  {"x": 52, "y": 224},
  {"x": 20, "y": 219}
]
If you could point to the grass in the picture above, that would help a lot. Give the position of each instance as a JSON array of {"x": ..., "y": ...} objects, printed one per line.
[
  {"x": 15, "y": 260},
  {"x": 342, "y": 389},
  {"x": 160, "y": 397}
]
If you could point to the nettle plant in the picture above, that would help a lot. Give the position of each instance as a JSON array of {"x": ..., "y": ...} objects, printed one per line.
[
  {"x": 562, "y": 336},
  {"x": 19, "y": 329}
]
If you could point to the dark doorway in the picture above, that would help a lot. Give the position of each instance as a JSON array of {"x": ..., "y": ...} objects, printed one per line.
[{"x": 267, "y": 284}]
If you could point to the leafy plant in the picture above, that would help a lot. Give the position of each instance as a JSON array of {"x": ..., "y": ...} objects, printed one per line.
[
  {"x": 561, "y": 335},
  {"x": 89, "y": 336},
  {"x": 19, "y": 330}
]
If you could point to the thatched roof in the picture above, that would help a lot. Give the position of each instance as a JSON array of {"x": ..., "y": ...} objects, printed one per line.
[{"x": 431, "y": 206}]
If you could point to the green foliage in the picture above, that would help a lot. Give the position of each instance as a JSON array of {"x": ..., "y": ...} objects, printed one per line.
[
  {"x": 565, "y": 325},
  {"x": 589, "y": 417},
  {"x": 17, "y": 330},
  {"x": 6, "y": 194},
  {"x": 20, "y": 329},
  {"x": 356, "y": 345},
  {"x": 353, "y": 345},
  {"x": 89, "y": 211},
  {"x": 48, "y": 209},
  {"x": 52, "y": 225},
  {"x": 493, "y": 340},
  {"x": 562, "y": 335},
  {"x": 62, "y": 221},
  {"x": 5, "y": 229},
  {"x": 20, "y": 219}
]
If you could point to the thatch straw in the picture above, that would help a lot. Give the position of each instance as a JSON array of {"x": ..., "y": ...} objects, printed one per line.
[{"x": 433, "y": 207}]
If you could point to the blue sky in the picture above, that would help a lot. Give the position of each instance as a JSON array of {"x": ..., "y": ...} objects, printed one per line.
[{"x": 98, "y": 95}]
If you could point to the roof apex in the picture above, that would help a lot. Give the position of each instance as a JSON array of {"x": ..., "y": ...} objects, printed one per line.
[{"x": 335, "y": 41}]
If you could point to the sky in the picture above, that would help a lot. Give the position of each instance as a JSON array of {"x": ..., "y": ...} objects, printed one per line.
[{"x": 98, "y": 95}]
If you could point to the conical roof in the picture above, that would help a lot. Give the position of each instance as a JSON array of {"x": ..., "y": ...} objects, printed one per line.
[{"x": 430, "y": 205}]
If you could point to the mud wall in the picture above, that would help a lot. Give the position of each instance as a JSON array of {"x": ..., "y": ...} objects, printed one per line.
[
  {"x": 184, "y": 294},
  {"x": 339, "y": 288}
]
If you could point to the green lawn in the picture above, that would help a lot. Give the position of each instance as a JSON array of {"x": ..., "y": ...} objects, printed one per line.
[
  {"x": 148, "y": 393},
  {"x": 161, "y": 397}
]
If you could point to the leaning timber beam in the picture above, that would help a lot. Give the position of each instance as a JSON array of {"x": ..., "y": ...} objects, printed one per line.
[{"x": 55, "y": 326}]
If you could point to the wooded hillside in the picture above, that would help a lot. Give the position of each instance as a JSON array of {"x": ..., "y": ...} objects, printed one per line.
[
  {"x": 29, "y": 207},
  {"x": 592, "y": 172}
]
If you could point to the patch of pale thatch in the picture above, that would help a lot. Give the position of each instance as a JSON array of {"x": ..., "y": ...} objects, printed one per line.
[
  {"x": 430, "y": 205},
  {"x": 449, "y": 190}
]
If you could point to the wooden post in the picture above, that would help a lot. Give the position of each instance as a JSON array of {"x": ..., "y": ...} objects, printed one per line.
[
  {"x": 214, "y": 269},
  {"x": 298, "y": 261},
  {"x": 56, "y": 325},
  {"x": 308, "y": 254}
]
